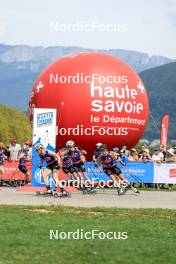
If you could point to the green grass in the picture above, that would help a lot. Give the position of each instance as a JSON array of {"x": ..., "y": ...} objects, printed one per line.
[{"x": 24, "y": 235}]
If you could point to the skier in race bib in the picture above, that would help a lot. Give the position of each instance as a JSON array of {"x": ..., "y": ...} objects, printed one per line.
[
  {"x": 97, "y": 152},
  {"x": 67, "y": 164},
  {"x": 113, "y": 171},
  {"x": 77, "y": 156},
  {"x": 52, "y": 160},
  {"x": 25, "y": 157}
]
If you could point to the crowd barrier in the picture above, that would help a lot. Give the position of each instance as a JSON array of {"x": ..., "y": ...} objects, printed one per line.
[
  {"x": 142, "y": 172},
  {"x": 165, "y": 173},
  {"x": 12, "y": 173},
  {"x": 146, "y": 172}
]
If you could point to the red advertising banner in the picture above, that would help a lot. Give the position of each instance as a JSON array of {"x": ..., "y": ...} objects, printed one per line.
[
  {"x": 11, "y": 171},
  {"x": 164, "y": 130}
]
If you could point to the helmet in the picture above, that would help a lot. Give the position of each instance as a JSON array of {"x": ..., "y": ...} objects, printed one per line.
[
  {"x": 98, "y": 145},
  {"x": 38, "y": 146},
  {"x": 115, "y": 149},
  {"x": 70, "y": 143},
  {"x": 1, "y": 145}
]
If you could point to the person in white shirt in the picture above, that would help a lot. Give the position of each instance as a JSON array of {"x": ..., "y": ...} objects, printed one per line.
[
  {"x": 14, "y": 150},
  {"x": 133, "y": 155},
  {"x": 158, "y": 156}
]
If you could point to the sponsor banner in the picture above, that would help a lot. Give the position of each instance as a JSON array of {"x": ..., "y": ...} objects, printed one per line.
[
  {"x": 138, "y": 171},
  {"x": 133, "y": 171},
  {"x": 165, "y": 173},
  {"x": 95, "y": 173},
  {"x": 164, "y": 131},
  {"x": 149, "y": 172},
  {"x": 44, "y": 132}
]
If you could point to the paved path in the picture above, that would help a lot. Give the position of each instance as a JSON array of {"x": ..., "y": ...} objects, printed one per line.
[{"x": 108, "y": 198}]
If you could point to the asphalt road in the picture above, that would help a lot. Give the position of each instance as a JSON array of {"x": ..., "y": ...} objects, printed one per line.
[{"x": 108, "y": 198}]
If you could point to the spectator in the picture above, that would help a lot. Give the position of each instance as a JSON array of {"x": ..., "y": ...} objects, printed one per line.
[
  {"x": 115, "y": 153},
  {"x": 123, "y": 157},
  {"x": 171, "y": 154},
  {"x": 145, "y": 156},
  {"x": 14, "y": 150},
  {"x": 2, "y": 157},
  {"x": 163, "y": 150},
  {"x": 124, "y": 148},
  {"x": 143, "y": 147},
  {"x": 158, "y": 156},
  {"x": 174, "y": 150},
  {"x": 133, "y": 155},
  {"x": 27, "y": 148},
  {"x": 6, "y": 151}
]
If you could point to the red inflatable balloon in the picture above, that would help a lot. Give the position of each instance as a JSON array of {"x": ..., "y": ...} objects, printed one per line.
[{"x": 98, "y": 98}]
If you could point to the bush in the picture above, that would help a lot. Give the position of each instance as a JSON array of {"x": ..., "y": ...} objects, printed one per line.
[{"x": 14, "y": 124}]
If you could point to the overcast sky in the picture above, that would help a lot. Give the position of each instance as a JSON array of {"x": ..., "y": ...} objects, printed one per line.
[{"x": 151, "y": 24}]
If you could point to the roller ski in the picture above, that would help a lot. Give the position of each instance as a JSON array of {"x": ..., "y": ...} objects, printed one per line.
[
  {"x": 45, "y": 193},
  {"x": 135, "y": 190},
  {"x": 85, "y": 191},
  {"x": 121, "y": 190},
  {"x": 54, "y": 193},
  {"x": 61, "y": 194},
  {"x": 89, "y": 191}
]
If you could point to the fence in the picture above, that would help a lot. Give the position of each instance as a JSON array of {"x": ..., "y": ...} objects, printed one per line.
[
  {"x": 146, "y": 172},
  {"x": 12, "y": 173}
]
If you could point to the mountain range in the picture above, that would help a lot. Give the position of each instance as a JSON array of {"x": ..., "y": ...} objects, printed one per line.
[
  {"x": 36, "y": 58},
  {"x": 20, "y": 65}
]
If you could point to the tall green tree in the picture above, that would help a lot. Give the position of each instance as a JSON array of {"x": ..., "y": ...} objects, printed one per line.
[{"x": 14, "y": 124}]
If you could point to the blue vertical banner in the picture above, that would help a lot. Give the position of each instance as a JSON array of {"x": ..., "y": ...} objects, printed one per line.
[{"x": 44, "y": 132}]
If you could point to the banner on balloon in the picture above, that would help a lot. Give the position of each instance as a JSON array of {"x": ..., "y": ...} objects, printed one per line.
[
  {"x": 44, "y": 132},
  {"x": 164, "y": 131}
]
